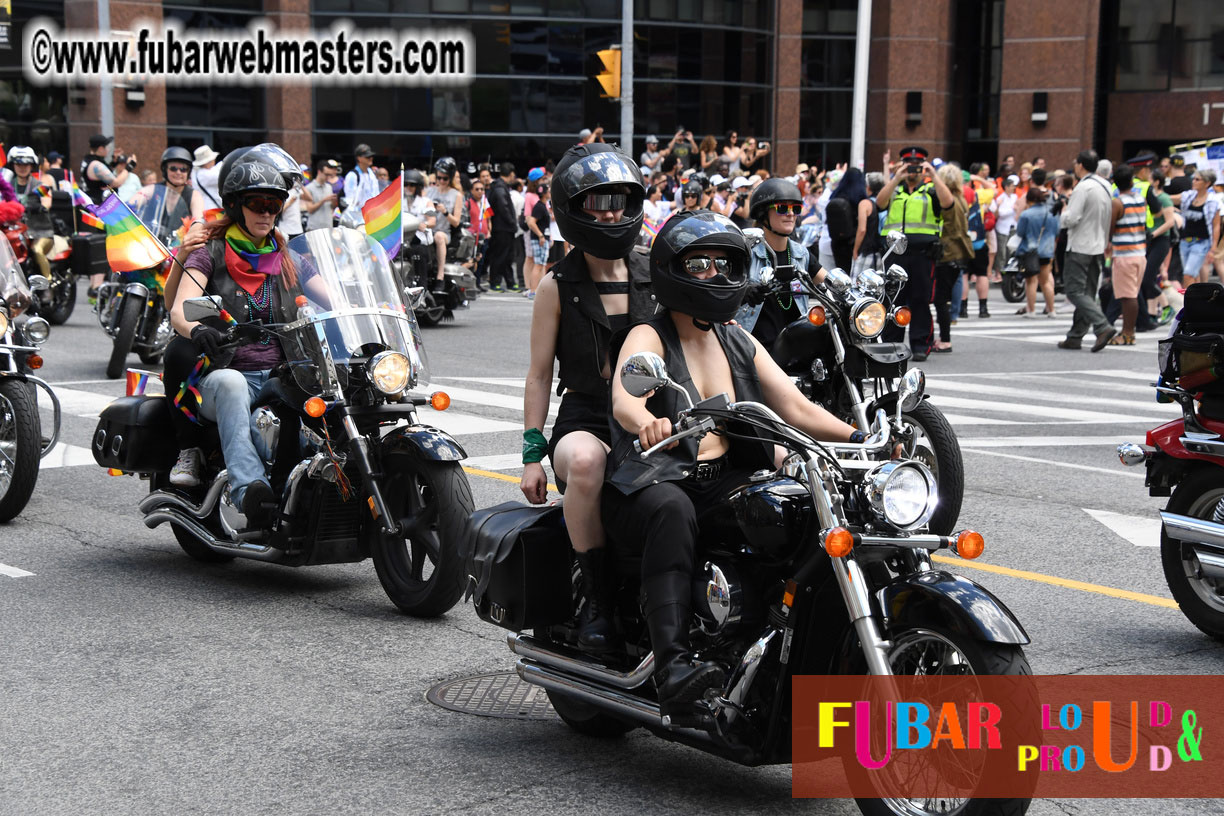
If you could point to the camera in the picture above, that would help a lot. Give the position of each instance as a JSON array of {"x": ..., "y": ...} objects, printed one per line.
[{"x": 913, "y": 168}]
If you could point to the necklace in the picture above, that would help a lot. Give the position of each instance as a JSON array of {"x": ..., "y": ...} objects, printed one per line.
[{"x": 790, "y": 297}]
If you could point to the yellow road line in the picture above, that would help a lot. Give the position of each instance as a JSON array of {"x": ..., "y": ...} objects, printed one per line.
[
  {"x": 1124, "y": 594},
  {"x": 1024, "y": 575}
]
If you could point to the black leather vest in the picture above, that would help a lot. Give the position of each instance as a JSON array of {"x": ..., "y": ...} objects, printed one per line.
[
  {"x": 37, "y": 217},
  {"x": 221, "y": 283},
  {"x": 93, "y": 188},
  {"x": 631, "y": 473},
  {"x": 584, "y": 334}
]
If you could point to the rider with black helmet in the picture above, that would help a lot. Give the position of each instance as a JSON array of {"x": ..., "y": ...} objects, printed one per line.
[
  {"x": 691, "y": 197},
  {"x": 698, "y": 271},
  {"x": 164, "y": 206},
  {"x": 599, "y": 288},
  {"x": 447, "y": 197}
]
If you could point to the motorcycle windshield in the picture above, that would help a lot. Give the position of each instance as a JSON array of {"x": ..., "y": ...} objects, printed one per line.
[
  {"x": 13, "y": 287},
  {"x": 150, "y": 206},
  {"x": 357, "y": 307}
]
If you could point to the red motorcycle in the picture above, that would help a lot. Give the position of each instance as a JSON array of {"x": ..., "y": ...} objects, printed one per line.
[
  {"x": 56, "y": 301},
  {"x": 1185, "y": 459}
]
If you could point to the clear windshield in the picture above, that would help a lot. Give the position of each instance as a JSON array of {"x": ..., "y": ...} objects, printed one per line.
[
  {"x": 13, "y": 287},
  {"x": 357, "y": 308},
  {"x": 150, "y": 206}
]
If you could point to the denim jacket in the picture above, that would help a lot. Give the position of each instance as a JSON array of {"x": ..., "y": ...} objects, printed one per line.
[
  {"x": 1034, "y": 217},
  {"x": 747, "y": 315}
]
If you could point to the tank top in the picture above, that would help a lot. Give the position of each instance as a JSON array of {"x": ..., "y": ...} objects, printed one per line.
[
  {"x": 1196, "y": 224},
  {"x": 1129, "y": 239}
]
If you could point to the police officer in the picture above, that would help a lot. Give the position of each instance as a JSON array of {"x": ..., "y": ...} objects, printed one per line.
[{"x": 915, "y": 198}]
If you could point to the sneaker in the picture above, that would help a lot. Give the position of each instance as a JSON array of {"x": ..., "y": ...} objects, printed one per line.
[
  {"x": 186, "y": 471},
  {"x": 1030, "y": 315},
  {"x": 1051, "y": 314},
  {"x": 496, "y": 287},
  {"x": 92, "y": 295},
  {"x": 514, "y": 287},
  {"x": 1166, "y": 314}
]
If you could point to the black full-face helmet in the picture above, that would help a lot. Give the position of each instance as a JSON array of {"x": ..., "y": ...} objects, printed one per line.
[
  {"x": 178, "y": 154},
  {"x": 591, "y": 169},
  {"x": 247, "y": 177},
  {"x": 715, "y": 299},
  {"x": 770, "y": 192}
]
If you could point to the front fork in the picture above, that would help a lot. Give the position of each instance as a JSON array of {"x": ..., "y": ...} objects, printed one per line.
[{"x": 361, "y": 446}]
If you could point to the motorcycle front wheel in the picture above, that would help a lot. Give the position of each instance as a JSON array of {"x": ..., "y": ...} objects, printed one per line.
[
  {"x": 1200, "y": 596},
  {"x": 587, "y": 719},
  {"x": 129, "y": 317},
  {"x": 63, "y": 298},
  {"x": 20, "y": 444},
  {"x": 431, "y": 311},
  {"x": 1013, "y": 287},
  {"x": 421, "y": 570},
  {"x": 934, "y": 444}
]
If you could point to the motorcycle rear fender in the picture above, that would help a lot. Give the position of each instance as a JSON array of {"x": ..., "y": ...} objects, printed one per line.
[
  {"x": 1167, "y": 439},
  {"x": 948, "y": 602},
  {"x": 427, "y": 441}
]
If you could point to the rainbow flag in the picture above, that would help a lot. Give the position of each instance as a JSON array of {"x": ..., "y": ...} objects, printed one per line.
[
  {"x": 383, "y": 215},
  {"x": 129, "y": 244},
  {"x": 213, "y": 215},
  {"x": 651, "y": 230},
  {"x": 79, "y": 198},
  {"x": 91, "y": 220},
  {"x": 136, "y": 382},
  {"x": 3, "y": 155}
]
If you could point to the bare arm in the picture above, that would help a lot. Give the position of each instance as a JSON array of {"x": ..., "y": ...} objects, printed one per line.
[
  {"x": 863, "y": 214},
  {"x": 946, "y": 199},
  {"x": 885, "y": 196},
  {"x": 631, "y": 411},
  {"x": 545, "y": 318},
  {"x": 782, "y": 395},
  {"x": 1167, "y": 214}
]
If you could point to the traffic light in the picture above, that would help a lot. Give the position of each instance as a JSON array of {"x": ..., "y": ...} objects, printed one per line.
[{"x": 610, "y": 78}]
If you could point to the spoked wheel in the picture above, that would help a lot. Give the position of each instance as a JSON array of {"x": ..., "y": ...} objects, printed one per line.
[
  {"x": 129, "y": 317},
  {"x": 934, "y": 444},
  {"x": 1013, "y": 287},
  {"x": 20, "y": 443},
  {"x": 1199, "y": 594},
  {"x": 422, "y": 569},
  {"x": 917, "y": 651}
]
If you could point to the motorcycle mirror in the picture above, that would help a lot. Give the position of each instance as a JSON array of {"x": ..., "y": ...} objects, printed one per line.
[
  {"x": 411, "y": 224},
  {"x": 897, "y": 272},
  {"x": 913, "y": 385},
  {"x": 897, "y": 242},
  {"x": 754, "y": 235},
  {"x": 838, "y": 281},
  {"x": 767, "y": 275},
  {"x": 785, "y": 272},
  {"x": 352, "y": 219},
  {"x": 38, "y": 283},
  {"x": 870, "y": 283},
  {"x": 199, "y": 308},
  {"x": 644, "y": 372}
]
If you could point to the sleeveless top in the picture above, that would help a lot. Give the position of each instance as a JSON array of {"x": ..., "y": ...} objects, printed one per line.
[{"x": 1129, "y": 235}]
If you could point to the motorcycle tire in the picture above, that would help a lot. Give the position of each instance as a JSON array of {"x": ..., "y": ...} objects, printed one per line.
[
  {"x": 20, "y": 444},
  {"x": 586, "y": 719},
  {"x": 1013, "y": 287},
  {"x": 129, "y": 318},
  {"x": 63, "y": 300},
  {"x": 1201, "y": 598},
  {"x": 925, "y": 650},
  {"x": 934, "y": 444},
  {"x": 436, "y": 499},
  {"x": 197, "y": 549},
  {"x": 431, "y": 312}
]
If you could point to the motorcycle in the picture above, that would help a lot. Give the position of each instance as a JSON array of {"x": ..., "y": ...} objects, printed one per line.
[
  {"x": 821, "y": 567},
  {"x": 22, "y": 445},
  {"x": 416, "y": 272},
  {"x": 1014, "y": 277},
  {"x": 56, "y": 301},
  {"x": 836, "y": 358},
  {"x": 131, "y": 309},
  {"x": 356, "y": 473}
]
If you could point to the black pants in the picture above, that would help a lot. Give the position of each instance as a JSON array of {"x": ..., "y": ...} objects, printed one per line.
[
  {"x": 918, "y": 292},
  {"x": 946, "y": 276},
  {"x": 500, "y": 252}
]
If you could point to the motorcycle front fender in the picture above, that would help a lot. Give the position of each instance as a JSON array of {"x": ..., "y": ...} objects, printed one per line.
[
  {"x": 136, "y": 290},
  {"x": 428, "y": 442},
  {"x": 940, "y": 600}
]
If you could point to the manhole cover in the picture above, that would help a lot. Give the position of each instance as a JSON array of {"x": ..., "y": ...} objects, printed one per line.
[{"x": 493, "y": 695}]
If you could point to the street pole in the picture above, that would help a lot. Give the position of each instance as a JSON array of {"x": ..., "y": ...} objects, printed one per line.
[
  {"x": 862, "y": 52},
  {"x": 626, "y": 97},
  {"x": 106, "y": 92}
]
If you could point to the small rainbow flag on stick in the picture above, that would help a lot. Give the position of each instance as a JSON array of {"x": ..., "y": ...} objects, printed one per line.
[
  {"x": 383, "y": 215},
  {"x": 79, "y": 198},
  {"x": 129, "y": 244}
]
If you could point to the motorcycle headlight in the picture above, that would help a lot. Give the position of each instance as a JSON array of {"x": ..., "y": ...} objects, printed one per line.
[
  {"x": 37, "y": 330},
  {"x": 904, "y": 494},
  {"x": 868, "y": 316},
  {"x": 390, "y": 371}
]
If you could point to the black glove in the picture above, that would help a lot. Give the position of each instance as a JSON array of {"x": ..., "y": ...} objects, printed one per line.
[
  {"x": 207, "y": 340},
  {"x": 756, "y": 294}
]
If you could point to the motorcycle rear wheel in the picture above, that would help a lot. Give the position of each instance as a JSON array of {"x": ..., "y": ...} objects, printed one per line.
[
  {"x": 431, "y": 312},
  {"x": 63, "y": 298},
  {"x": 934, "y": 444},
  {"x": 1201, "y": 598},
  {"x": 1013, "y": 287},
  {"x": 129, "y": 317},
  {"x": 20, "y": 444},
  {"x": 587, "y": 719},
  {"x": 422, "y": 570}
]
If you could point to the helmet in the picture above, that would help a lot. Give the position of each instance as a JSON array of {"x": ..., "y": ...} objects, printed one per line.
[
  {"x": 715, "y": 299},
  {"x": 769, "y": 192},
  {"x": 22, "y": 155},
  {"x": 700, "y": 178},
  {"x": 176, "y": 154},
  {"x": 415, "y": 177},
  {"x": 268, "y": 153},
  {"x": 690, "y": 188},
  {"x": 250, "y": 177},
  {"x": 584, "y": 169},
  {"x": 446, "y": 166}
]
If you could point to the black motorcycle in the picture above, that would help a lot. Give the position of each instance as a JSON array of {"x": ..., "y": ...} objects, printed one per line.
[
  {"x": 417, "y": 268},
  {"x": 835, "y": 356},
  {"x": 22, "y": 444},
  {"x": 356, "y": 473},
  {"x": 822, "y": 567}
]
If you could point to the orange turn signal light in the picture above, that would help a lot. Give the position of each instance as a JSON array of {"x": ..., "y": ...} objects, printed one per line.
[
  {"x": 788, "y": 596},
  {"x": 816, "y": 316},
  {"x": 439, "y": 400},
  {"x": 299, "y": 301},
  {"x": 839, "y": 542},
  {"x": 114, "y": 472},
  {"x": 970, "y": 544},
  {"x": 902, "y": 316},
  {"x": 315, "y": 407},
  {"x": 34, "y": 361}
]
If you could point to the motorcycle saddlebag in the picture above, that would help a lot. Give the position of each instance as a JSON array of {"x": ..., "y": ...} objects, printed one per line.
[
  {"x": 135, "y": 435},
  {"x": 89, "y": 254},
  {"x": 519, "y": 566}
]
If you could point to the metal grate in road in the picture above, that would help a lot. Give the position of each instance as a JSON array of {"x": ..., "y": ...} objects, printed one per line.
[{"x": 501, "y": 695}]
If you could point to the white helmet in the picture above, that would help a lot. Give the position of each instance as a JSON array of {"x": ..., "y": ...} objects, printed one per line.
[{"x": 23, "y": 155}]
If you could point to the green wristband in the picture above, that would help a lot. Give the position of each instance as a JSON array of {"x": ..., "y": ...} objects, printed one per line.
[{"x": 535, "y": 446}]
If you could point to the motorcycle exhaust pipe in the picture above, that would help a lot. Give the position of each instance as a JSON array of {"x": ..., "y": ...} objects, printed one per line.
[
  {"x": 617, "y": 702},
  {"x": 259, "y": 552},
  {"x": 159, "y": 499},
  {"x": 1206, "y": 537},
  {"x": 534, "y": 650}
]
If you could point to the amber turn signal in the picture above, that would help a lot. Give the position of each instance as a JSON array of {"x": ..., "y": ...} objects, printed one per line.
[
  {"x": 902, "y": 316},
  {"x": 816, "y": 316},
  {"x": 839, "y": 542},
  {"x": 299, "y": 301},
  {"x": 315, "y": 407},
  {"x": 788, "y": 596},
  {"x": 34, "y": 361},
  {"x": 439, "y": 400},
  {"x": 970, "y": 544},
  {"x": 114, "y": 472}
]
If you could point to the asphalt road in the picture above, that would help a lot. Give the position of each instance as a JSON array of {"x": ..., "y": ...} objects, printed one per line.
[{"x": 138, "y": 681}]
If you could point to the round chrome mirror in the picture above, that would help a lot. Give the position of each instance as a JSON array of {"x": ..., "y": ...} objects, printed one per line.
[
  {"x": 897, "y": 242},
  {"x": 897, "y": 272},
  {"x": 913, "y": 386},
  {"x": 38, "y": 283},
  {"x": 767, "y": 275},
  {"x": 644, "y": 372}
]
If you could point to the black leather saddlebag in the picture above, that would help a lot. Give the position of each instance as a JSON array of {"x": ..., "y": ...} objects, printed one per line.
[
  {"x": 89, "y": 253},
  {"x": 135, "y": 435},
  {"x": 519, "y": 566}
]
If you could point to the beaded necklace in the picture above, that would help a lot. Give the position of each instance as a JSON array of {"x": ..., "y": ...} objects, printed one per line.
[
  {"x": 259, "y": 306},
  {"x": 790, "y": 297}
]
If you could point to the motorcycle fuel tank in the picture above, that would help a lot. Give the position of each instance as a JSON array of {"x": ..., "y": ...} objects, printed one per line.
[
  {"x": 774, "y": 516},
  {"x": 798, "y": 343}
]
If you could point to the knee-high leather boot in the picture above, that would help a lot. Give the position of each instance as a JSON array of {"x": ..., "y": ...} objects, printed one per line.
[
  {"x": 597, "y": 631},
  {"x": 680, "y": 678}
]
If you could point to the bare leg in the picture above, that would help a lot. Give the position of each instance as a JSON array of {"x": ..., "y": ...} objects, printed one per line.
[
  {"x": 440, "y": 247},
  {"x": 1030, "y": 293},
  {"x": 983, "y": 287},
  {"x": 579, "y": 461},
  {"x": 1046, "y": 281}
]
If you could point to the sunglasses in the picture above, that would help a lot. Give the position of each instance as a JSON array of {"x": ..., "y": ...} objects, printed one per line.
[
  {"x": 605, "y": 201},
  {"x": 442, "y": 179},
  {"x": 788, "y": 209},
  {"x": 177, "y": 168},
  {"x": 261, "y": 205},
  {"x": 702, "y": 264}
]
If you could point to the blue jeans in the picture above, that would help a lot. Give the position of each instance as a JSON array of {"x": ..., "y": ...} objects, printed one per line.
[
  {"x": 1192, "y": 254},
  {"x": 226, "y": 397}
]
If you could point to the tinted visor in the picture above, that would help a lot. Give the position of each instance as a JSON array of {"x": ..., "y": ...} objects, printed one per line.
[{"x": 601, "y": 202}]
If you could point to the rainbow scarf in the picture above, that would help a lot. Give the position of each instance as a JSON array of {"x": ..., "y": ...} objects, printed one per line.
[{"x": 248, "y": 264}]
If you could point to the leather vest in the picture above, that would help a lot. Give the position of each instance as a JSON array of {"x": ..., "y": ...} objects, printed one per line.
[
  {"x": 37, "y": 217},
  {"x": 93, "y": 188},
  {"x": 584, "y": 335},
  {"x": 221, "y": 283},
  {"x": 630, "y": 473}
]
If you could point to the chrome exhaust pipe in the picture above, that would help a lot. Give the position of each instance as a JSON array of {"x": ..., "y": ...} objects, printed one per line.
[
  {"x": 246, "y": 549},
  {"x": 534, "y": 650},
  {"x": 616, "y": 702},
  {"x": 1194, "y": 531},
  {"x": 159, "y": 499}
]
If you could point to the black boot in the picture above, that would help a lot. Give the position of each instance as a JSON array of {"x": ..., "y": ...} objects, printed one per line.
[
  {"x": 982, "y": 310},
  {"x": 596, "y": 630},
  {"x": 964, "y": 310},
  {"x": 681, "y": 679}
]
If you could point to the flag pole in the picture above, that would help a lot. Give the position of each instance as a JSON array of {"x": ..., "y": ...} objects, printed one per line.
[{"x": 160, "y": 245}]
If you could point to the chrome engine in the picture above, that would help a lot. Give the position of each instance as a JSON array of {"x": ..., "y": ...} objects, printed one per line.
[{"x": 718, "y": 599}]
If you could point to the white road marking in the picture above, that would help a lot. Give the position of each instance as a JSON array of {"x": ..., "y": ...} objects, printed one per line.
[
  {"x": 1130, "y": 386},
  {"x": 1143, "y": 348},
  {"x": 961, "y": 419},
  {"x": 63, "y": 455},
  {"x": 1028, "y": 394},
  {"x": 1041, "y": 441},
  {"x": 13, "y": 572},
  {"x": 514, "y": 403},
  {"x": 1107, "y": 372},
  {"x": 518, "y": 382},
  {"x": 1138, "y": 530},
  {"x": 500, "y": 461},
  {"x": 79, "y": 403},
  {"x": 1047, "y": 412},
  {"x": 1147, "y": 377},
  {"x": 1109, "y": 472}
]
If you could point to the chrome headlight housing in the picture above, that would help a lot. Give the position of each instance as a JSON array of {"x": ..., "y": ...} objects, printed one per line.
[
  {"x": 869, "y": 317},
  {"x": 390, "y": 371},
  {"x": 904, "y": 494},
  {"x": 37, "y": 330}
]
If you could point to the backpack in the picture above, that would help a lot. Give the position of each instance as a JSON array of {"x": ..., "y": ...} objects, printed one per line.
[
  {"x": 977, "y": 225},
  {"x": 841, "y": 220}
]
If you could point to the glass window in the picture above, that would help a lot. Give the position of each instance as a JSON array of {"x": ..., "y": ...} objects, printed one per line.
[
  {"x": 830, "y": 16},
  {"x": 1141, "y": 20}
]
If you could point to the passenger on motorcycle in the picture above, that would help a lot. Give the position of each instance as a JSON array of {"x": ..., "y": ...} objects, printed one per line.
[
  {"x": 598, "y": 289},
  {"x": 447, "y": 197},
  {"x": 40, "y": 228},
  {"x": 246, "y": 263},
  {"x": 698, "y": 270},
  {"x": 421, "y": 208},
  {"x": 167, "y": 206}
]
